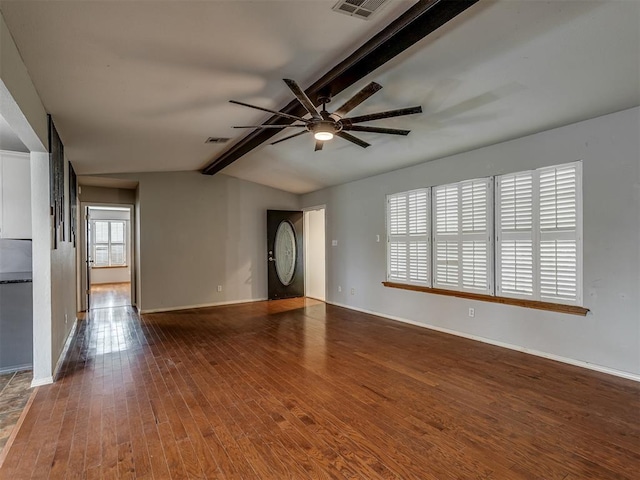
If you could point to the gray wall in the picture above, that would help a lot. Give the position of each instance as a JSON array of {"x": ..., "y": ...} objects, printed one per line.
[
  {"x": 63, "y": 285},
  {"x": 93, "y": 194},
  {"x": 609, "y": 337},
  {"x": 16, "y": 326},
  {"x": 198, "y": 232}
]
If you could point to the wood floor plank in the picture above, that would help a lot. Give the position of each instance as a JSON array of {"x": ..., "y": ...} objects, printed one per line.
[{"x": 297, "y": 389}]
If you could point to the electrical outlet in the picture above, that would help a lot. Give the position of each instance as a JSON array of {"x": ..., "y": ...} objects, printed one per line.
[
  {"x": 339, "y": 289},
  {"x": 378, "y": 238},
  {"x": 66, "y": 319},
  {"x": 353, "y": 291},
  {"x": 219, "y": 288},
  {"x": 472, "y": 312}
]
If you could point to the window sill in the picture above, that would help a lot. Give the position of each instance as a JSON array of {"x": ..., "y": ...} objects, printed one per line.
[
  {"x": 109, "y": 266},
  {"x": 553, "y": 307}
]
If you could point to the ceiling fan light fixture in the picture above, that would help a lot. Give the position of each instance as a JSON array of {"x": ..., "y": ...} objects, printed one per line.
[
  {"x": 323, "y": 135},
  {"x": 324, "y": 130}
]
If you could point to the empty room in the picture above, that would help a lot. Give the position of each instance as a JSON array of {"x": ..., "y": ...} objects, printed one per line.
[{"x": 272, "y": 239}]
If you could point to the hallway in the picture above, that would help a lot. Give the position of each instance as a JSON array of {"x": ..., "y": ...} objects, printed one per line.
[{"x": 106, "y": 295}]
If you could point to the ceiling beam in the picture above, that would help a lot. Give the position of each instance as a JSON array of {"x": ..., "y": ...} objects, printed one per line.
[{"x": 412, "y": 26}]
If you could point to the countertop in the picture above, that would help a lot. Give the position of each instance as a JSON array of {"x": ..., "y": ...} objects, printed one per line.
[{"x": 16, "y": 277}]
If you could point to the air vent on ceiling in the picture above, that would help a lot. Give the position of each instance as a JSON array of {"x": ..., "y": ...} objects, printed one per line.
[
  {"x": 217, "y": 140},
  {"x": 359, "y": 8}
]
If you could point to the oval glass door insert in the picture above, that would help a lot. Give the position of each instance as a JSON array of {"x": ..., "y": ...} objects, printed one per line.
[{"x": 285, "y": 252}]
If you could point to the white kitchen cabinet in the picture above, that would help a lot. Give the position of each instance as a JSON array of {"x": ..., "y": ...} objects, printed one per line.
[{"x": 15, "y": 195}]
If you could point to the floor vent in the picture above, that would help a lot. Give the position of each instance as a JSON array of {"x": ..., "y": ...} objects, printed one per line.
[
  {"x": 363, "y": 9},
  {"x": 217, "y": 140}
]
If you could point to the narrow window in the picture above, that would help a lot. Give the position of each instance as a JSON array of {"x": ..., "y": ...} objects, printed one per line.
[
  {"x": 462, "y": 239},
  {"x": 408, "y": 234}
]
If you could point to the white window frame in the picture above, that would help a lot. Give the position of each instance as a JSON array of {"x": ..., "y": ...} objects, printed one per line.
[
  {"x": 536, "y": 235},
  {"x": 457, "y": 237},
  {"x": 406, "y": 242}
]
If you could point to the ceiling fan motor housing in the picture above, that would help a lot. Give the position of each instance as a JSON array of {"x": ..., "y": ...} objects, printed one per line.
[{"x": 329, "y": 126}]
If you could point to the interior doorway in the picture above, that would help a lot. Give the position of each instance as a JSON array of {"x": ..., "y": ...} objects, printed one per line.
[
  {"x": 107, "y": 256},
  {"x": 315, "y": 252}
]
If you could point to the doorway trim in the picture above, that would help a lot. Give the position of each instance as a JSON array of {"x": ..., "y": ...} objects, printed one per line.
[
  {"x": 82, "y": 263},
  {"x": 309, "y": 268}
]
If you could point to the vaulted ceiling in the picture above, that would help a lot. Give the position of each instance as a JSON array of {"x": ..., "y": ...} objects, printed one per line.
[{"x": 139, "y": 86}]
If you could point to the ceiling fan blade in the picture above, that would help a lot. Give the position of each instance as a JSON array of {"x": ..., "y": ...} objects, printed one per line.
[
  {"x": 390, "y": 131},
  {"x": 268, "y": 126},
  {"x": 357, "y": 99},
  {"x": 285, "y": 115},
  {"x": 319, "y": 145},
  {"x": 290, "y": 136},
  {"x": 302, "y": 98},
  {"x": 388, "y": 114},
  {"x": 353, "y": 139}
]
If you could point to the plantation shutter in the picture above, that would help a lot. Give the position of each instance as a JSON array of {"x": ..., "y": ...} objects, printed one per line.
[
  {"x": 462, "y": 236},
  {"x": 515, "y": 265},
  {"x": 116, "y": 245},
  {"x": 446, "y": 238},
  {"x": 539, "y": 234},
  {"x": 559, "y": 234},
  {"x": 101, "y": 243},
  {"x": 477, "y": 230},
  {"x": 408, "y": 233}
]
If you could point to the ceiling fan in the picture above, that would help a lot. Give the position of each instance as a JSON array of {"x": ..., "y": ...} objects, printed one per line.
[{"x": 325, "y": 125}]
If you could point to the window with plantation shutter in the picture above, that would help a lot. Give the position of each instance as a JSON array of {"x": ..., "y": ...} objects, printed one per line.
[
  {"x": 109, "y": 243},
  {"x": 560, "y": 234},
  {"x": 538, "y": 215},
  {"x": 462, "y": 239},
  {"x": 408, "y": 233}
]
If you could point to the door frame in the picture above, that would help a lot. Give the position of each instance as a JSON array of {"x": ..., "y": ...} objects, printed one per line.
[
  {"x": 307, "y": 256},
  {"x": 82, "y": 284}
]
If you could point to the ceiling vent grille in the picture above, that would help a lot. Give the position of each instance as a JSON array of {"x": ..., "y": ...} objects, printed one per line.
[
  {"x": 363, "y": 9},
  {"x": 217, "y": 140}
]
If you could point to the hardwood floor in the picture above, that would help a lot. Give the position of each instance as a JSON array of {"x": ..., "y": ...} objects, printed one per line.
[
  {"x": 104, "y": 295},
  {"x": 299, "y": 389}
]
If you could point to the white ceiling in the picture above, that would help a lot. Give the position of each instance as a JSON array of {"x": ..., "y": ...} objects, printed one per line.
[{"x": 139, "y": 86}]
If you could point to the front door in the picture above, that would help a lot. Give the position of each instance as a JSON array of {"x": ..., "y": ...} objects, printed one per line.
[{"x": 284, "y": 254}]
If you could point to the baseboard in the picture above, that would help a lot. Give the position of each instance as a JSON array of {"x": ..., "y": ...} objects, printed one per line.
[
  {"x": 38, "y": 382},
  {"x": 16, "y": 368},
  {"x": 65, "y": 349},
  {"x": 530, "y": 351},
  {"x": 202, "y": 305}
]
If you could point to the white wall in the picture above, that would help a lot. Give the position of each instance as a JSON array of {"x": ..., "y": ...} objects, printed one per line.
[
  {"x": 198, "y": 232},
  {"x": 609, "y": 337},
  {"x": 314, "y": 258},
  {"x": 41, "y": 230}
]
